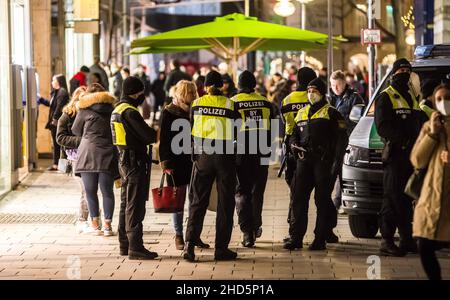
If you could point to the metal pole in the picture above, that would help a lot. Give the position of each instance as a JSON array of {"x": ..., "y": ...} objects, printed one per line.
[
  {"x": 303, "y": 26},
  {"x": 247, "y": 8},
  {"x": 330, "y": 41},
  {"x": 124, "y": 32},
  {"x": 371, "y": 51}
]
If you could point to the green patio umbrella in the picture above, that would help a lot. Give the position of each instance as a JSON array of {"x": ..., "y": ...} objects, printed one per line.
[
  {"x": 235, "y": 35},
  {"x": 154, "y": 50}
]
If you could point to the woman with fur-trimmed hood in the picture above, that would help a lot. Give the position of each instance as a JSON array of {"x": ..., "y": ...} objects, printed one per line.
[{"x": 97, "y": 157}]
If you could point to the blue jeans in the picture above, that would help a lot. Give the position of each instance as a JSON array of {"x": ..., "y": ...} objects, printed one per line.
[
  {"x": 91, "y": 183},
  {"x": 178, "y": 218}
]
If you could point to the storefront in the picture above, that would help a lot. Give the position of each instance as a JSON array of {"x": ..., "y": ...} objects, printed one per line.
[{"x": 18, "y": 91}]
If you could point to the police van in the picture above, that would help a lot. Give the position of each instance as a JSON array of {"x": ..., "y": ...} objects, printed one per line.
[{"x": 362, "y": 174}]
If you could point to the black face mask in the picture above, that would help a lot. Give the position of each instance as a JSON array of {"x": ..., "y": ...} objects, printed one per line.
[
  {"x": 140, "y": 99},
  {"x": 401, "y": 79}
]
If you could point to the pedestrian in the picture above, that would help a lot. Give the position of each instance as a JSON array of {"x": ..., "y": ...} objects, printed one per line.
[
  {"x": 229, "y": 90},
  {"x": 79, "y": 79},
  {"x": 59, "y": 99},
  {"x": 212, "y": 129},
  {"x": 132, "y": 136},
  {"x": 70, "y": 142},
  {"x": 159, "y": 95},
  {"x": 178, "y": 166},
  {"x": 431, "y": 224},
  {"x": 125, "y": 73},
  {"x": 141, "y": 74},
  {"x": 398, "y": 121},
  {"x": 200, "y": 83},
  {"x": 252, "y": 171},
  {"x": 343, "y": 98},
  {"x": 95, "y": 78},
  {"x": 97, "y": 158},
  {"x": 318, "y": 141},
  {"x": 174, "y": 76},
  {"x": 116, "y": 80},
  {"x": 97, "y": 68},
  {"x": 355, "y": 85}
]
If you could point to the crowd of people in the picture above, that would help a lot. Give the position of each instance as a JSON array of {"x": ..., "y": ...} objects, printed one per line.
[{"x": 98, "y": 127}]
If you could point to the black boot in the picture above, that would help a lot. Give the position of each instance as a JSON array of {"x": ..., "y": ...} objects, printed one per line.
[
  {"x": 317, "y": 245},
  {"x": 258, "y": 232},
  {"x": 189, "y": 253},
  {"x": 332, "y": 238},
  {"x": 408, "y": 246},
  {"x": 249, "y": 239},
  {"x": 123, "y": 251},
  {"x": 224, "y": 254},
  {"x": 142, "y": 254},
  {"x": 201, "y": 245},
  {"x": 389, "y": 248},
  {"x": 292, "y": 244}
]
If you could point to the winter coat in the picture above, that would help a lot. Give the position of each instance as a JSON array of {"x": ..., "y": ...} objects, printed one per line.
[
  {"x": 96, "y": 152},
  {"x": 173, "y": 78},
  {"x": 64, "y": 136},
  {"x": 77, "y": 80},
  {"x": 180, "y": 164},
  {"x": 432, "y": 212},
  {"x": 103, "y": 76},
  {"x": 59, "y": 99},
  {"x": 345, "y": 103}
]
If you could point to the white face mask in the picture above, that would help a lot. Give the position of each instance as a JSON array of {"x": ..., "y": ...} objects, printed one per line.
[
  {"x": 443, "y": 107},
  {"x": 314, "y": 98}
]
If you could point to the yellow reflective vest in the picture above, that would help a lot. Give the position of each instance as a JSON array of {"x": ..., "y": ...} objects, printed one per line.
[
  {"x": 118, "y": 130},
  {"x": 213, "y": 117},
  {"x": 255, "y": 111},
  {"x": 397, "y": 100},
  {"x": 290, "y": 106}
]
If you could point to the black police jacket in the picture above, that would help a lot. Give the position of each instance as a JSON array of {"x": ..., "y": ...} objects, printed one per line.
[{"x": 323, "y": 138}]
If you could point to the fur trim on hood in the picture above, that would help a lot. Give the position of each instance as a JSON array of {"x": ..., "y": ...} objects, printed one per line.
[{"x": 87, "y": 100}]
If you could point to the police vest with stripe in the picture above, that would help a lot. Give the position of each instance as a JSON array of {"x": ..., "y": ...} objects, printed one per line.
[
  {"x": 254, "y": 110},
  {"x": 213, "y": 117},
  {"x": 118, "y": 130},
  {"x": 399, "y": 103},
  {"x": 290, "y": 106},
  {"x": 302, "y": 115}
]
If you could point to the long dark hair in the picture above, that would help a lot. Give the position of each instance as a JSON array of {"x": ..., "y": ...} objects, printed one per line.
[{"x": 62, "y": 81}]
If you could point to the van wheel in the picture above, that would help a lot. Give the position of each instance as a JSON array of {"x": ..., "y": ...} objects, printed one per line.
[{"x": 363, "y": 226}]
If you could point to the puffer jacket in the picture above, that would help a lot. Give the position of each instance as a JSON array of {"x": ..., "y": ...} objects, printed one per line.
[{"x": 432, "y": 212}]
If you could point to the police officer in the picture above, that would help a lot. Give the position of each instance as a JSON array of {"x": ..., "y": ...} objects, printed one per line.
[
  {"x": 256, "y": 114},
  {"x": 290, "y": 106},
  {"x": 318, "y": 140},
  {"x": 212, "y": 118},
  {"x": 398, "y": 121},
  {"x": 132, "y": 136}
]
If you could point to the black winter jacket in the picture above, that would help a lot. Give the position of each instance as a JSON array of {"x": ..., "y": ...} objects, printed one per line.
[
  {"x": 58, "y": 100},
  {"x": 345, "y": 103}
]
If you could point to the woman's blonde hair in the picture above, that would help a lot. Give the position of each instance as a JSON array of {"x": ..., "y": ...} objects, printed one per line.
[
  {"x": 185, "y": 91},
  {"x": 71, "y": 108}
]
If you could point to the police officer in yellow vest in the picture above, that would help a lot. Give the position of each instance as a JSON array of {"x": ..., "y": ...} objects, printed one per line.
[
  {"x": 318, "y": 140},
  {"x": 132, "y": 136},
  {"x": 289, "y": 108},
  {"x": 212, "y": 119},
  {"x": 398, "y": 121},
  {"x": 252, "y": 170}
]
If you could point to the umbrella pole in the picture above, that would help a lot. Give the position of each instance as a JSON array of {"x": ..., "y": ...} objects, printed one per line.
[{"x": 234, "y": 58}]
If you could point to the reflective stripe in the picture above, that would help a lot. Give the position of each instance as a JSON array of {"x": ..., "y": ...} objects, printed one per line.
[
  {"x": 118, "y": 130},
  {"x": 212, "y": 117},
  {"x": 290, "y": 106},
  {"x": 397, "y": 100},
  {"x": 322, "y": 113},
  {"x": 254, "y": 110}
]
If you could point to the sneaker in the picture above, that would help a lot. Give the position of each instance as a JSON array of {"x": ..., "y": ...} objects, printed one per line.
[
  {"x": 107, "y": 231},
  {"x": 93, "y": 231},
  {"x": 81, "y": 226}
]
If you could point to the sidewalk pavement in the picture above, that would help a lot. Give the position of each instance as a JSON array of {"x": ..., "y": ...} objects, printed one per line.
[{"x": 51, "y": 249}]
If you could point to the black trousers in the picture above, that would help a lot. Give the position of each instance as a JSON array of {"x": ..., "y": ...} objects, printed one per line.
[
  {"x": 206, "y": 169},
  {"x": 56, "y": 146},
  {"x": 289, "y": 176},
  {"x": 135, "y": 191},
  {"x": 397, "y": 208},
  {"x": 312, "y": 174},
  {"x": 252, "y": 179},
  {"x": 427, "y": 250}
]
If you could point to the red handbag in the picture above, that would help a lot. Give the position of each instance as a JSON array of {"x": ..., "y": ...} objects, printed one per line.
[{"x": 168, "y": 199}]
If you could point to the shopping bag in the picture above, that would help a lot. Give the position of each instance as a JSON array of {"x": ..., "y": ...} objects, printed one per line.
[{"x": 168, "y": 199}]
